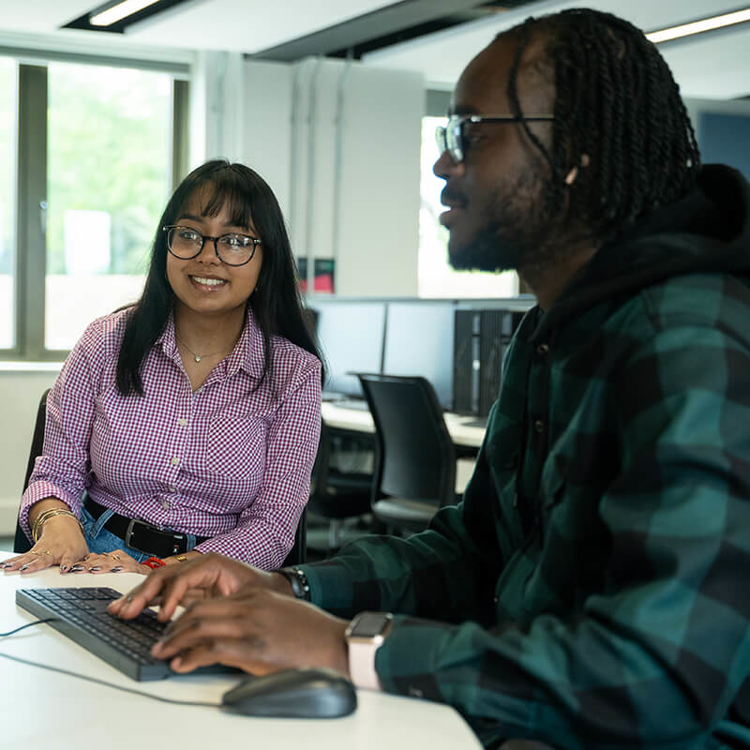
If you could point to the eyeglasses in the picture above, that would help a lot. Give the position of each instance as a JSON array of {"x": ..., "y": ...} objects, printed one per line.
[
  {"x": 233, "y": 249},
  {"x": 453, "y": 139}
]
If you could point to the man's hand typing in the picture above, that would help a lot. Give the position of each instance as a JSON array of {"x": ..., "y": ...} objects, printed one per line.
[{"x": 209, "y": 576}]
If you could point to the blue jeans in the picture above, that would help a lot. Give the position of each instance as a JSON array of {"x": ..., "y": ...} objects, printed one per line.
[{"x": 101, "y": 541}]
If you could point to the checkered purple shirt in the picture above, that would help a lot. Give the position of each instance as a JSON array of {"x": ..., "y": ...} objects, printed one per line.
[{"x": 224, "y": 462}]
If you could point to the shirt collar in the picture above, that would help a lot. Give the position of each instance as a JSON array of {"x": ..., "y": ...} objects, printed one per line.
[{"x": 248, "y": 353}]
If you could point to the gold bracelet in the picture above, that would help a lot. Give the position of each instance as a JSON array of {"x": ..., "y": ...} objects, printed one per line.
[
  {"x": 42, "y": 518},
  {"x": 180, "y": 558}
]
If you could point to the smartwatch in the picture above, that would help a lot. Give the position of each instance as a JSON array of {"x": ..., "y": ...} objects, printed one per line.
[{"x": 364, "y": 636}]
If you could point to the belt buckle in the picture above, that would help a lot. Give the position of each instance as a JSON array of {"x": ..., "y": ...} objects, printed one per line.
[{"x": 129, "y": 532}]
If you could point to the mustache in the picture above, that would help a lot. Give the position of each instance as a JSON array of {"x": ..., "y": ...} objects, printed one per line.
[{"x": 452, "y": 197}]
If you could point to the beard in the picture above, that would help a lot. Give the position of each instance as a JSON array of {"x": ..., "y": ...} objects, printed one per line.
[{"x": 517, "y": 230}]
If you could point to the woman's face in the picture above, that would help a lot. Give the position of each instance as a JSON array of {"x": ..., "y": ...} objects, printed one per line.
[{"x": 205, "y": 284}]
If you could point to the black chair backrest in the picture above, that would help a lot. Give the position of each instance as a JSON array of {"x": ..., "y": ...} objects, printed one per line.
[
  {"x": 297, "y": 555},
  {"x": 21, "y": 543},
  {"x": 415, "y": 454}
]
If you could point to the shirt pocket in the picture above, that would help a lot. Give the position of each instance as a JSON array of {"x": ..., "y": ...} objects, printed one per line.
[{"x": 236, "y": 444}]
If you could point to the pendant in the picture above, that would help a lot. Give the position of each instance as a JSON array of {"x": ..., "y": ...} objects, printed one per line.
[{"x": 197, "y": 358}]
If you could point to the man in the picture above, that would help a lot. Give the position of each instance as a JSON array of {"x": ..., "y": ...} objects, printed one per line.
[{"x": 591, "y": 588}]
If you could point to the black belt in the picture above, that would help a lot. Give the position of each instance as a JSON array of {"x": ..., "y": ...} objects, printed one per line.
[{"x": 141, "y": 535}]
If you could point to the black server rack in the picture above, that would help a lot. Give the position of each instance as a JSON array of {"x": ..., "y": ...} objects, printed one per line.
[{"x": 481, "y": 338}]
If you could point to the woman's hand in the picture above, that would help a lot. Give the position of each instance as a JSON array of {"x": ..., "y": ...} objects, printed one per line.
[
  {"x": 109, "y": 562},
  {"x": 211, "y": 574},
  {"x": 61, "y": 543}
]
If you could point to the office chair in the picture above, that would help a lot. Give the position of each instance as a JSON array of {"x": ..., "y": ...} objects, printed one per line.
[
  {"x": 415, "y": 467},
  {"x": 21, "y": 543},
  {"x": 297, "y": 555},
  {"x": 337, "y": 495}
]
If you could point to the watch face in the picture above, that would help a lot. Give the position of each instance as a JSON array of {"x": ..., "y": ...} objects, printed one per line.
[{"x": 370, "y": 624}]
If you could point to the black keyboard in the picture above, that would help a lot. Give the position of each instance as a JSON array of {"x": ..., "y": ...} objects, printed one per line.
[{"x": 82, "y": 616}]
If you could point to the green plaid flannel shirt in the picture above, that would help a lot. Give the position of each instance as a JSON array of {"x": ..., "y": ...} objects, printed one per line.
[{"x": 592, "y": 589}]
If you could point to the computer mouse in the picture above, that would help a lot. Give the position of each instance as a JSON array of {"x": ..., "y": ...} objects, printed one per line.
[{"x": 304, "y": 693}]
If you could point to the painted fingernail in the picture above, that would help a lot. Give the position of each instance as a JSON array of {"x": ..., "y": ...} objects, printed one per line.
[
  {"x": 23, "y": 567},
  {"x": 116, "y": 569},
  {"x": 96, "y": 568},
  {"x": 76, "y": 569}
]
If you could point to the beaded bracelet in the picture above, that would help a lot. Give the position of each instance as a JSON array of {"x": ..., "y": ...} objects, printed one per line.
[
  {"x": 40, "y": 520},
  {"x": 298, "y": 581},
  {"x": 154, "y": 563}
]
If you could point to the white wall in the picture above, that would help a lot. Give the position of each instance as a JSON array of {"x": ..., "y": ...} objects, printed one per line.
[
  {"x": 339, "y": 144},
  {"x": 20, "y": 391}
]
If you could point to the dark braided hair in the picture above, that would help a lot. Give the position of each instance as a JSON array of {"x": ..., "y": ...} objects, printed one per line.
[{"x": 617, "y": 103}]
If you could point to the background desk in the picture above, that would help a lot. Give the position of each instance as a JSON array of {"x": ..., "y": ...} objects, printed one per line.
[
  {"x": 360, "y": 420},
  {"x": 41, "y": 709},
  {"x": 464, "y": 435}
]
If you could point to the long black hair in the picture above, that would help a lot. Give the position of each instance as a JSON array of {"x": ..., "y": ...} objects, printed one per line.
[
  {"x": 617, "y": 103},
  {"x": 275, "y": 303}
]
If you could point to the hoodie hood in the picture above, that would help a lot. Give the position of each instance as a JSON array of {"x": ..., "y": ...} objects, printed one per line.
[{"x": 706, "y": 231}]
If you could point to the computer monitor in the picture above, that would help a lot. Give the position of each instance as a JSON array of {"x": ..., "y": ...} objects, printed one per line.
[
  {"x": 350, "y": 334},
  {"x": 419, "y": 341}
]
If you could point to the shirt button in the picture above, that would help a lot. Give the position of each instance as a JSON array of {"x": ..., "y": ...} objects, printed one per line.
[
  {"x": 172, "y": 488},
  {"x": 182, "y": 422},
  {"x": 175, "y": 460},
  {"x": 415, "y": 692},
  {"x": 538, "y": 426},
  {"x": 495, "y": 599},
  {"x": 165, "y": 504},
  {"x": 542, "y": 349}
]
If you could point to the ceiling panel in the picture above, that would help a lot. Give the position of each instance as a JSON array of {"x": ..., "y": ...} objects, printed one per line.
[
  {"x": 41, "y": 16},
  {"x": 442, "y": 56},
  {"x": 247, "y": 25}
]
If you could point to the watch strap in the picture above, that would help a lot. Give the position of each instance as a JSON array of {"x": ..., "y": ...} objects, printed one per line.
[{"x": 362, "y": 651}]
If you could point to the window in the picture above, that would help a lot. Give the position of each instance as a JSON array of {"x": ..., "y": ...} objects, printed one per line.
[
  {"x": 8, "y": 116},
  {"x": 84, "y": 176},
  {"x": 436, "y": 277},
  {"x": 109, "y": 172}
]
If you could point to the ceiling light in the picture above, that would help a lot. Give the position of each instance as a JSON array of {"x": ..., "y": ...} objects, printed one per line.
[
  {"x": 696, "y": 27},
  {"x": 119, "y": 11}
]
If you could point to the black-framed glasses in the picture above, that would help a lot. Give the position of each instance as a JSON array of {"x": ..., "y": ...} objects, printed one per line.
[
  {"x": 233, "y": 249},
  {"x": 452, "y": 137}
]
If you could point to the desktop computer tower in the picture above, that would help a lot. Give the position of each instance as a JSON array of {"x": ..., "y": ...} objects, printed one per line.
[{"x": 480, "y": 340}]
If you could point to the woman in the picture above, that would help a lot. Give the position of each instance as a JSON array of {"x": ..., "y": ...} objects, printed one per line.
[{"x": 188, "y": 422}]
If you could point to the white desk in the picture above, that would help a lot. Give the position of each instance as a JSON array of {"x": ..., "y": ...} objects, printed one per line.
[
  {"x": 360, "y": 420},
  {"x": 41, "y": 709}
]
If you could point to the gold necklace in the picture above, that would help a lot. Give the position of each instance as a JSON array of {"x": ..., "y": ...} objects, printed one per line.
[{"x": 197, "y": 357}]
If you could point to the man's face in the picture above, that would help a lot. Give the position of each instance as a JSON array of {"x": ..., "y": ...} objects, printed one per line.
[{"x": 497, "y": 214}]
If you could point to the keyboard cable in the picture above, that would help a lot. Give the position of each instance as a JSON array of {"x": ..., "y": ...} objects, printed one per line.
[{"x": 94, "y": 680}]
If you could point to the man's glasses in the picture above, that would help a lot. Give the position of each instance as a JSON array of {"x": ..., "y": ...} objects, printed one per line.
[
  {"x": 233, "y": 249},
  {"x": 453, "y": 139}
]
